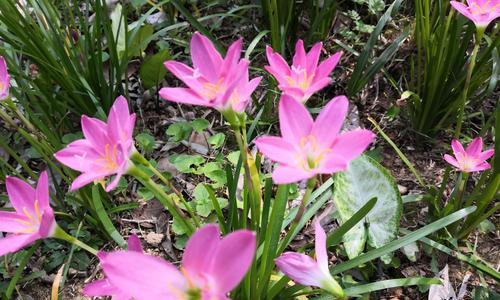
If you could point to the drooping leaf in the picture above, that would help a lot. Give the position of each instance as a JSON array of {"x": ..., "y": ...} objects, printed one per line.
[
  {"x": 363, "y": 180},
  {"x": 152, "y": 70}
]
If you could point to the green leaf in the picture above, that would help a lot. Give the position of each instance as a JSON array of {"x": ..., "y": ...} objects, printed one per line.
[
  {"x": 184, "y": 162},
  {"x": 179, "y": 131},
  {"x": 146, "y": 142},
  {"x": 214, "y": 171},
  {"x": 363, "y": 180},
  {"x": 200, "y": 124},
  {"x": 204, "y": 205},
  {"x": 104, "y": 218},
  {"x": 152, "y": 70},
  {"x": 217, "y": 140},
  {"x": 387, "y": 284},
  {"x": 118, "y": 28},
  {"x": 410, "y": 251},
  {"x": 141, "y": 41}
]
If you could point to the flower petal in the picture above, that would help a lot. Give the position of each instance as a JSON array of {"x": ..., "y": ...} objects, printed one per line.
[
  {"x": 326, "y": 67},
  {"x": 320, "y": 246},
  {"x": 15, "y": 242},
  {"x": 47, "y": 223},
  {"x": 299, "y": 59},
  {"x": 11, "y": 222},
  {"x": 277, "y": 65},
  {"x": 463, "y": 9},
  {"x": 332, "y": 163},
  {"x": 86, "y": 178},
  {"x": 295, "y": 120},
  {"x": 330, "y": 120},
  {"x": 485, "y": 155},
  {"x": 232, "y": 259},
  {"x": 276, "y": 149},
  {"x": 205, "y": 57},
  {"x": 42, "y": 191},
  {"x": 120, "y": 121},
  {"x": 458, "y": 149},
  {"x": 21, "y": 194},
  {"x": 183, "y": 95},
  {"x": 352, "y": 143},
  {"x": 300, "y": 268},
  {"x": 200, "y": 249},
  {"x": 134, "y": 243},
  {"x": 313, "y": 58},
  {"x": 232, "y": 58},
  {"x": 104, "y": 288},
  {"x": 475, "y": 147},
  {"x": 480, "y": 167},
  {"x": 452, "y": 161},
  {"x": 285, "y": 174}
]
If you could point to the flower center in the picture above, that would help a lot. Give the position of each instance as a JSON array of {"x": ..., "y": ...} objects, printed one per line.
[
  {"x": 310, "y": 153},
  {"x": 109, "y": 160},
  {"x": 2, "y": 85},
  {"x": 299, "y": 78},
  {"x": 212, "y": 89},
  {"x": 482, "y": 9},
  {"x": 32, "y": 222}
]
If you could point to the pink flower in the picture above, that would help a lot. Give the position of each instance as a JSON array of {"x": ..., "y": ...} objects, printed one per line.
[
  {"x": 471, "y": 159},
  {"x": 106, "y": 148},
  {"x": 33, "y": 218},
  {"x": 305, "y": 77},
  {"x": 4, "y": 79},
  {"x": 304, "y": 270},
  {"x": 308, "y": 147},
  {"x": 211, "y": 268},
  {"x": 214, "y": 82},
  {"x": 481, "y": 12}
]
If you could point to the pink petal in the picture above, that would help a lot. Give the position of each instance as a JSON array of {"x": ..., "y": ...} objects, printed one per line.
[
  {"x": 462, "y": 8},
  {"x": 320, "y": 246},
  {"x": 104, "y": 288},
  {"x": 21, "y": 194},
  {"x": 485, "y": 155},
  {"x": 10, "y": 222},
  {"x": 295, "y": 120},
  {"x": 286, "y": 174},
  {"x": 277, "y": 65},
  {"x": 134, "y": 244},
  {"x": 457, "y": 148},
  {"x": 330, "y": 120},
  {"x": 205, "y": 57},
  {"x": 300, "y": 268},
  {"x": 475, "y": 147},
  {"x": 276, "y": 149},
  {"x": 15, "y": 242},
  {"x": 42, "y": 191},
  {"x": 352, "y": 143},
  {"x": 480, "y": 167},
  {"x": 318, "y": 85},
  {"x": 332, "y": 163},
  {"x": 452, "y": 161},
  {"x": 299, "y": 59},
  {"x": 114, "y": 183},
  {"x": 313, "y": 57},
  {"x": 200, "y": 249},
  {"x": 232, "y": 57},
  {"x": 326, "y": 67},
  {"x": 294, "y": 92},
  {"x": 79, "y": 155},
  {"x": 232, "y": 259},
  {"x": 84, "y": 179},
  {"x": 143, "y": 277},
  {"x": 245, "y": 95},
  {"x": 193, "y": 79},
  {"x": 96, "y": 132},
  {"x": 47, "y": 223},
  {"x": 183, "y": 95},
  {"x": 120, "y": 121}
]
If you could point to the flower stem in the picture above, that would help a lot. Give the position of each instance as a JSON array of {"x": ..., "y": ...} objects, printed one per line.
[
  {"x": 12, "y": 106},
  {"x": 59, "y": 233}
]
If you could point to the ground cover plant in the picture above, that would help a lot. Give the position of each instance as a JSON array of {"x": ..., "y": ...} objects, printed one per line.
[{"x": 249, "y": 150}]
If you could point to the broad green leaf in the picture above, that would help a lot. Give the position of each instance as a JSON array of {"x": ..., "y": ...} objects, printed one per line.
[
  {"x": 217, "y": 140},
  {"x": 204, "y": 204},
  {"x": 152, "y": 70},
  {"x": 141, "y": 41},
  {"x": 363, "y": 180},
  {"x": 146, "y": 142},
  {"x": 200, "y": 124},
  {"x": 118, "y": 28},
  {"x": 184, "y": 162},
  {"x": 179, "y": 131}
]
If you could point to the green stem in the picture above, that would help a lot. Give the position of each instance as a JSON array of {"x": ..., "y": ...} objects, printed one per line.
[
  {"x": 5, "y": 116},
  {"x": 460, "y": 193},
  {"x": 59, "y": 233},
  {"x": 137, "y": 157},
  {"x": 10, "y": 104},
  {"x": 165, "y": 199},
  {"x": 470, "y": 69}
]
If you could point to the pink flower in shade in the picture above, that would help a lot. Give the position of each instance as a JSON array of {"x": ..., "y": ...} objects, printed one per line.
[
  {"x": 304, "y": 270},
  {"x": 106, "y": 148},
  {"x": 308, "y": 147},
  {"x": 472, "y": 159},
  {"x": 33, "y": 218},
  {"x": 481, "y": 12},
  {"x": 211, "y": 268},
  {"x": 214, "y": 82},
  {"x": 4, "y": 79},
  {"x": 305, "y": 77}
]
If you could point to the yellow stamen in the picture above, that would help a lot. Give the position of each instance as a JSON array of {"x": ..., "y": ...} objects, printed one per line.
[
  {"x": 109, "y": 158},
  {"x": 212, "y": 89},
  {"x": 37, "y": 211}
]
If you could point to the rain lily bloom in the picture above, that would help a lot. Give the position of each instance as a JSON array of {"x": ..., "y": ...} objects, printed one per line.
[
  {"x": 481, "y": 12},
  {"x": 211, "y": 268},
  {"x": 4, "y": 79},
  {"x": 305, "y": 76},
  {"x": 221, "y": 83},
  {"x": 33, "y": 218},
  {"x": 304, "y": 270},
  {"x": 471, "y": 159},
  {"x": 105, "y": 150},
  {"x": 308, "y": 147}
]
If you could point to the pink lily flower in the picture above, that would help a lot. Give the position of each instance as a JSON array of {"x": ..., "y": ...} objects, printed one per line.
[
  {"x": 471, "y": 159},
  {"x": 481, "y": 12},
  {"x": 306, "y": 147},
  {"x": 304, "y": 270},
  {"x": 33, "y": 218},
  {"x": 305, "y": 77},
  {"x": 105, "y": 150},
  {"x": 213, "y": 82},
  {"x": 4, "y": 79},
  {"x": 211, "y": 268}
]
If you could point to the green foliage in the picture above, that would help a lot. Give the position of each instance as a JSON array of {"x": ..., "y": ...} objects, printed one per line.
[
  {"x": 146, "y": 142},
  {"x": 152, "y": 70}
]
